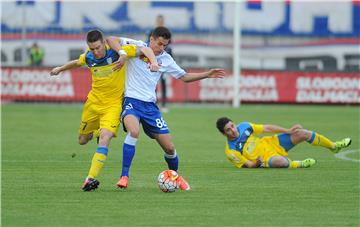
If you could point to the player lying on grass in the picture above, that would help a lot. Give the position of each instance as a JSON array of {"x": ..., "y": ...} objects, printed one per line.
[
  {"x": 103, "y": 105},
  {"x": 244, "y": 149},
  {"x": 140, "y": 100}
]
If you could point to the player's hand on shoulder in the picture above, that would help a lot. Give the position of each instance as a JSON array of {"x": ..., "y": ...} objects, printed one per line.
[
  {"x": 216, "y": 73},
  {"x": 119, "y": 63},
  {"x": 55, "y": 71}
]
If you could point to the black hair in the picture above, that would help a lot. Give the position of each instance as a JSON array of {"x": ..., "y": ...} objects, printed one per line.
[
  {"x": 221, "y": 122},
  {"x": 94, "y": 35},
  {"x": 161, "y": 32}
]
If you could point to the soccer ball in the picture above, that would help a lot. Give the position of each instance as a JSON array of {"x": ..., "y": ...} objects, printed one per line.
[{"x": 167, "y": 181}]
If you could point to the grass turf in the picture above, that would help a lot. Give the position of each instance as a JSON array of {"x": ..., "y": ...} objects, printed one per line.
[{"x": 41, "y": 182}]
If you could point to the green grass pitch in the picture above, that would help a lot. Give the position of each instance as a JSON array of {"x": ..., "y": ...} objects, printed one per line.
[{"x": 41, "y": 181}]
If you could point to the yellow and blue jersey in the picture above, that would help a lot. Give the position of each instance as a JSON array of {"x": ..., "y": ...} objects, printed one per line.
[
  {"x": 250, "y": 147},
  {"x": 243, "y": 147},
  {"x": 107, "y": 85}
]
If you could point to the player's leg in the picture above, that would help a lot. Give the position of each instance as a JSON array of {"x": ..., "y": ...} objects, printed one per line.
[
  {"x": 84, "y": 139},
  {"x": 109, "y": 123},
  {"x": 132, "y": 126},
  {"x": 101, "y": 153},
  {"x": 317, "y": 139},
  {"x": 281, "y": 146},
  {"x": 170, "y": 155},
  {"x": 89, "y": 124},
  {"x": 284, "y": 162},
  {"x": 164, "y": 140},
  {"x": 156, "y": 128},
  {"x": 278, "y": 162}
]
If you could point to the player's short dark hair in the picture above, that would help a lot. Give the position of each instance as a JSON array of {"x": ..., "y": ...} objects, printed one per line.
[
  {"x": 221, "y": 122},
  {"x": 94, "y": 35},
  {"x": 161, "y": 32}
]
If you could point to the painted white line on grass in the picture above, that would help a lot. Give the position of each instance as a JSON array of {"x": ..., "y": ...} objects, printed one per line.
[{"x": 342, "y": 155}]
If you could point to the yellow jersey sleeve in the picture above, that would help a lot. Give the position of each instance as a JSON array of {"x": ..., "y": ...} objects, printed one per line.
[
  {"x": 257, "y": 128},
  {"x": 81, "y": 60},
  {"x": 235, "y": 157},
  {"x": 130, "y": 50}
]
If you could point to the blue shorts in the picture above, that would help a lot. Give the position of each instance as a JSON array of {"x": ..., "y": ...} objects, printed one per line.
[
  {"x": 148, "y": 114},
  {"x": 285, "y": 141}
]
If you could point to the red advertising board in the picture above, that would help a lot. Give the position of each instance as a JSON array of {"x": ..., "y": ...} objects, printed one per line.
[
  {"x": 30, "y": 84},
  {"x": 273, "y": 87},
  {"x": 35, "y": 84}
]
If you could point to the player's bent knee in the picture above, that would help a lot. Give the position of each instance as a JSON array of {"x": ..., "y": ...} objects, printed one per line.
[
  {"x": 83, "y": 140},
  {"x": 134, "y": 133},
  {"x": 279, "y": 162},
  {"x": 301, "y": 135},
  {"x": 304, "y": 134}
]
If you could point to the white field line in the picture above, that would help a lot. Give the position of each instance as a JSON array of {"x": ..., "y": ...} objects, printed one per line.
[{"x": 343, "y": 155}]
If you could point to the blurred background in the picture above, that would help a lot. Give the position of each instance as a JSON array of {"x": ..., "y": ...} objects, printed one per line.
[{"x": 287, "y": 51}]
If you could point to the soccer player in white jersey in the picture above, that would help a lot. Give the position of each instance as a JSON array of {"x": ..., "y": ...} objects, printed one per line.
[{"x": 140, "y": 99}]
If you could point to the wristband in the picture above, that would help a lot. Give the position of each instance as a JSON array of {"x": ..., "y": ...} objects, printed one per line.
[{"x": 122, "y": 52}]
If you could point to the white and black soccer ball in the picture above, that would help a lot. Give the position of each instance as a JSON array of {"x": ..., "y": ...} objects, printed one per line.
[{"x": 167, "y": 181}]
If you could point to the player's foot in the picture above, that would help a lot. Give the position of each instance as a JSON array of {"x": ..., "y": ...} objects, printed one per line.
[
  {"x": 341, "y": 144},
  {"x": 183, "y": 185},
  {"x": 123, "y": 182},
  {"x": 308, "y": 163},
  {"x": 90, "y": 184}
]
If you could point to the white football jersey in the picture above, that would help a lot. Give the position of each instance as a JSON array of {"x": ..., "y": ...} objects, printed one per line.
[{"x": 140, "y": 81}]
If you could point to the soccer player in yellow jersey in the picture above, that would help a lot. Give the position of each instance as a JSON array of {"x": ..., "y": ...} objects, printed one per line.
[
  {"x": 103, "y": 105},
  {"x": 244, "y": 149}
]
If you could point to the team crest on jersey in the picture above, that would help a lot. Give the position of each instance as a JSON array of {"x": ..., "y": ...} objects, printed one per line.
[{"x": 109, "y": 60}]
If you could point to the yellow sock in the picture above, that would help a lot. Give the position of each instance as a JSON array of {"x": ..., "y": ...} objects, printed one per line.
[
  {"x": 320, "y": 140},
  {"x": 294, "y": 164},
  {"x": 97, "y": 162}
]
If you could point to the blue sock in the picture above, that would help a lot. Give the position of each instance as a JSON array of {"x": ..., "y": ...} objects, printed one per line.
[
  {"x": 172, "y": 161},
  {"x": 128, "y": 154}
]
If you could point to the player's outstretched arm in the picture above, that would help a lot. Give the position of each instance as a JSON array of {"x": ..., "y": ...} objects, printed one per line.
[
  {"x": 212, "y": 73},
  {"x": 70, "y": 65},
  {"x": 278, "y": 129}
]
